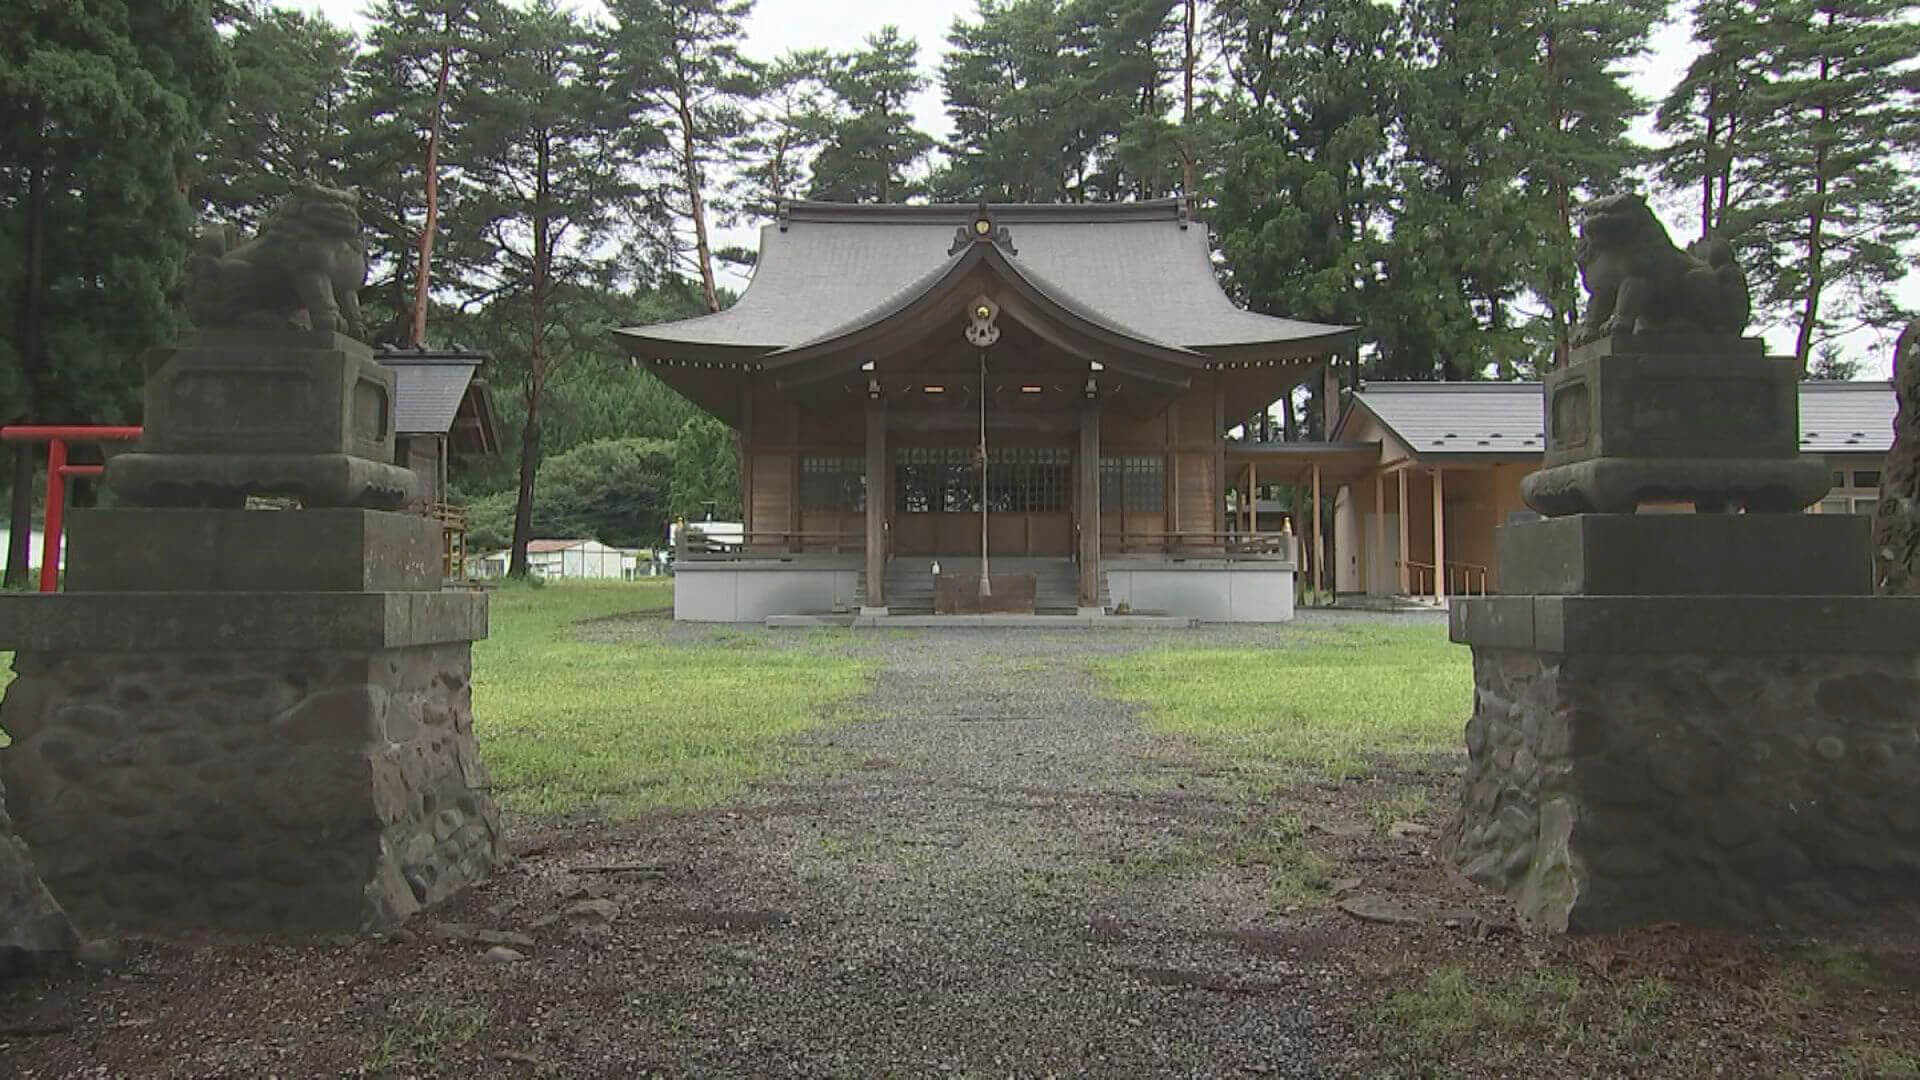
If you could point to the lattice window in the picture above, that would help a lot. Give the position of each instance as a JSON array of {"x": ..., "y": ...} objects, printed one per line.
[
  {"x": 1028, "y": 480},
  {"x": 833, "y": 483},
  {"x": 1020, "y": 479},
  {"x": 1135, "y": 483}
]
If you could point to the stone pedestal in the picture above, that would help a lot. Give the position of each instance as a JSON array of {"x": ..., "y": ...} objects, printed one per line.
[
  {"x": 1714, "y": 422},
  {"x": 248, "y": 721},
  {"x": 233, "y": 413},
  {"x": 1713, "y": 760}
]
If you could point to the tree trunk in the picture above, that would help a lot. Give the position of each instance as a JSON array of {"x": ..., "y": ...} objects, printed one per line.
[
  {"x": 1706, "y": 159},
  {"x": 536, "y": 359},
  {"x": 32, "y": 350},
  {"x": 529, "y": 462},
  {"x": 696, "y": 200},
  {"x": 422, "y": 285},
  {"x": 1188, "y": 167},
  {"x": 1816, "y": 228},
  {"x": 1560, "y": 299}
]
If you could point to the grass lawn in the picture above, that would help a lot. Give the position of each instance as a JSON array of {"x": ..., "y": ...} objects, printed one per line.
[
  {"x": 1332, "y": 699},
  {"x": 636, "y": 721}
]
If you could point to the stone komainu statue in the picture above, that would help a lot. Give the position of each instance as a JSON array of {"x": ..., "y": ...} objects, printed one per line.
[
  {"x": 1638, "y": 282},
  {"x": 308, "y": 257},
  {"x": 1896, "y": 519}
]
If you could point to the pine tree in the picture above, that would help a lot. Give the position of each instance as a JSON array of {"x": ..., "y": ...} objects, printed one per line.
[
  {"x": 1297, "y": 178},
  {"x": 1711, "y": 114},
  {"x": 1058, "y": 101},
  {"x": 1840, "y": 202},
  {"x": 682, "y": 72},
  {"x": 545, "y": 182},
  {"x": 423, "y": 57},
  {"x": 101, "y": 106},
  {"x": 1577, "y": 135},
  {"x": 286, "y": 120},
  {"x": 1463, "y": 228},
  {"x": 872, "y": 146},
  {"x": 792, "y": 117}
]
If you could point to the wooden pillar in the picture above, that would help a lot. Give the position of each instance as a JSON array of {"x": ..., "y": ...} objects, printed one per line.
[
  {"x": 1087, "y": 494},
  {"x": 1379, "y": 548},
  {"x": 1439, "y": 541},
  {"x": 1253, "y": 499},
  {"x": 1406, "y": 574},
  {"x": 1330, "y": 396},
  {"x": 877, "y": 491},
  {"x": 1319, "y": 544}
]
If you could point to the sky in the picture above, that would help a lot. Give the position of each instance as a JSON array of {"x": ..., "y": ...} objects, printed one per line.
[{"x": 777, "y": 26}]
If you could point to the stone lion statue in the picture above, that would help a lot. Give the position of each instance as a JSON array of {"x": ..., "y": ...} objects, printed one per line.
[
  {"x": 1896, "y": 517},
  {"x": 1638, "y": 282},
  {"x": 309, "y": 257}
]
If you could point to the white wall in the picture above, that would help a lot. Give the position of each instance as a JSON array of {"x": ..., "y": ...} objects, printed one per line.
[
  {"x": 1212, "y": 590},
  {"x": 750, "y": 591}
]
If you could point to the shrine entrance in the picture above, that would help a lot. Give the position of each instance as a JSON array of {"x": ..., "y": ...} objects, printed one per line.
[{"x": 938, "y": 493}]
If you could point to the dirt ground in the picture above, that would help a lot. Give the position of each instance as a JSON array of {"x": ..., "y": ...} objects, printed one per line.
[{"x": 994, "y": 871}]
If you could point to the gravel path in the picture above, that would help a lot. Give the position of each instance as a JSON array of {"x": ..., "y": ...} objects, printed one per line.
[
  {"x": 1012, "y": 878},
  {"x": 992, "y": 870}
]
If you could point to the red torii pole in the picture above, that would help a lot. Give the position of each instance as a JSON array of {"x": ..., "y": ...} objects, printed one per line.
[{"x": 58, "y": 471}]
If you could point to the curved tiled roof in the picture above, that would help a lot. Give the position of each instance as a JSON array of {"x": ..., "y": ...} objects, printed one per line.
[{"x": 1138, "y": 268}]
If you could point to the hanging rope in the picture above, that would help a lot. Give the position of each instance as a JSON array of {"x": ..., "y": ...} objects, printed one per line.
[{"x": 986, "y": 583}]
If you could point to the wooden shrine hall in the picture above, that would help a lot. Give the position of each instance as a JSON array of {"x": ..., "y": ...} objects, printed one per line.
[{"x": 1047, "y": 388}]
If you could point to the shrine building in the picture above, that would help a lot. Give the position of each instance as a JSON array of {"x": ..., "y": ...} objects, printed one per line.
[{"x": 1051, "y": 386}]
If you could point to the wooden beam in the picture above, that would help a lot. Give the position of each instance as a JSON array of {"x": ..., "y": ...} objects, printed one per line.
[
  {"x": 1319, "y": 546},
  {"x": 1439, "y": 541},
  {"x": 877, "y": 489},
  {"x": 1087, "y": 494},
  {"x": 1406, "y": 575}
]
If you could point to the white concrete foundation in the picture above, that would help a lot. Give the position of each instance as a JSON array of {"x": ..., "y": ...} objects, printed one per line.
[
  {"x": 750, "y": 591},
  {"x": 1210, "y": 590}
]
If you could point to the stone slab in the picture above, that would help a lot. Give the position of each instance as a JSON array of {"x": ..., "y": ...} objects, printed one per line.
[
  {"x": 1695, "y": 624},
  {"x": 225, "y": 480},
  {"x": 1620, "y": 485},
  {"x": 1688, "y": 405},
  {"x": 1687, "y": 554},
  {"x": 164, "y": 622},
  {"x": 148, "y": 549}
]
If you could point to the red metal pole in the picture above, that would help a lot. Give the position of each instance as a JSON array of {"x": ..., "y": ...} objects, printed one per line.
[{"x": 56, "y": 510}]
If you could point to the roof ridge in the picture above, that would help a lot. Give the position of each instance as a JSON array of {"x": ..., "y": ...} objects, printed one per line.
[{"x": 823, "y": 212}]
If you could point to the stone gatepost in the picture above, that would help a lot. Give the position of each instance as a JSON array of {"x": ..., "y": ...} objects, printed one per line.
[
  {"x": 251, "y": 720},
  {"x": 1706, "y": 717}
]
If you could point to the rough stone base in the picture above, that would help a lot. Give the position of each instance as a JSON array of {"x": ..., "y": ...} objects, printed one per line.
[
  {"x": 249, "y": 790},
  {"x": 34, "y": 932},
  {"x": 1617, "y": 789}
]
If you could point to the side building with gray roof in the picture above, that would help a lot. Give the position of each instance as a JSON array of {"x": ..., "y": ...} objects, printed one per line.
[{"x": 1455, "y": 453}]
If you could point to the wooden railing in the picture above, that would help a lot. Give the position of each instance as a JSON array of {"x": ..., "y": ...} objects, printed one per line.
[
  {"x": 453, "y": 535},
  {"x": 1239, "y": 546},
  {"x": 696, "y": 546},
  {"x": 1463, "y": 579}
]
